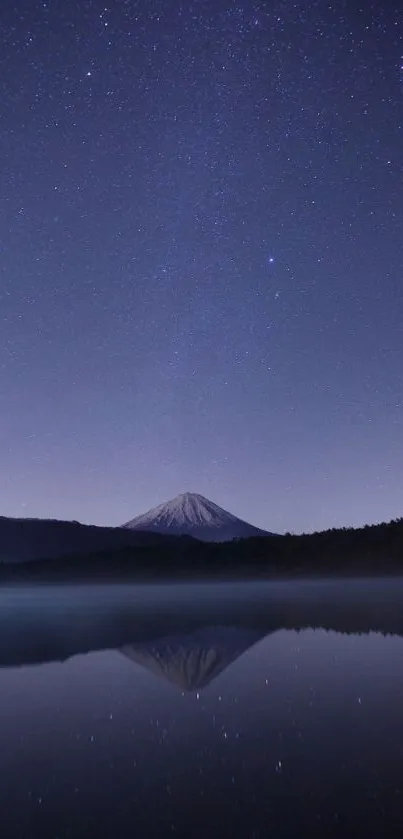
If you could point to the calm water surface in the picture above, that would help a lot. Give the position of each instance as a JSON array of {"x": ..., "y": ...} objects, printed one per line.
[{"x": 242, "y": 710}]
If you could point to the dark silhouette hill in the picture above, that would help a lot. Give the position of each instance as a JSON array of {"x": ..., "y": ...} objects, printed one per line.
[
  {"x": 69, "y": 549},
  {"x": 24, "y": 540}
]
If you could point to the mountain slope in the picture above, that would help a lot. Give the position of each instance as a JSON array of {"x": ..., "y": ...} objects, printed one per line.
[{"x": 190, "y": 514}]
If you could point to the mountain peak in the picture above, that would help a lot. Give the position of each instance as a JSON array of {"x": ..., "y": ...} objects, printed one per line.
[
  {"x": 194, "y": 515},
  {"x": 192, "y": 497}
]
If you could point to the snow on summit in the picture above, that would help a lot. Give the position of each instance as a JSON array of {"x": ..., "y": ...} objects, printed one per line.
[{"x": 190, "y": 514}]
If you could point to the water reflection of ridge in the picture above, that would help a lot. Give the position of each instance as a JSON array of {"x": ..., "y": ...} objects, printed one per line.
[
  {"x": 193, "y": 660},
  {"x": 41, "y": 628}
]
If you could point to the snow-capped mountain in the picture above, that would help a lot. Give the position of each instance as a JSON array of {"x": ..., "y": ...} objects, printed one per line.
[{"x": 190, "y": 514}]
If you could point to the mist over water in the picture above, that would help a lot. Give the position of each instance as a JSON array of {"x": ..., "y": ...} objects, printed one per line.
[{"x": 240, "y": 709}]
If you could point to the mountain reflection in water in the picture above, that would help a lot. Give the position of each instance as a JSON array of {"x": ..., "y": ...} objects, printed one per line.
[
  {"x": 212, "y": 623},
  {"x": 192, "y": 661},
  {"x": 247, "y": 710}
]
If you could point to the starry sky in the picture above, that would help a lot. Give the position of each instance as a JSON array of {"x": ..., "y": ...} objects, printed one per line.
[{"x": 201, "y": 259}]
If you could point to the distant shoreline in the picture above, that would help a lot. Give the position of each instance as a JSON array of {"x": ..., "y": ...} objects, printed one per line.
[{"x": 41, "y": 573}]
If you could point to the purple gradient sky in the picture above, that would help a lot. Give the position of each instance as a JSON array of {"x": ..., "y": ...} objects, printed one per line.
[{"x": 201, "y": 259}]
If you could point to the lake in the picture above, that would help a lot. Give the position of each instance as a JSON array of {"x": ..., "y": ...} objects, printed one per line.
[{"x": 240, "y": 710}]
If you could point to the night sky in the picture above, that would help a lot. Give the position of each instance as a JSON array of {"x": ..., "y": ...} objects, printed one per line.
[{"x": 201, "y": 259}]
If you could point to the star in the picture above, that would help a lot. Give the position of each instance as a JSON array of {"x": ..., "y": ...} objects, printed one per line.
[{"x": 171, "y": 208}]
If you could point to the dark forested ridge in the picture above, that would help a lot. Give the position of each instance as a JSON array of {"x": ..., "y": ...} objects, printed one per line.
[
  {"x": 26, "y": 540},
  {"x": 373, "y": 549}
]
